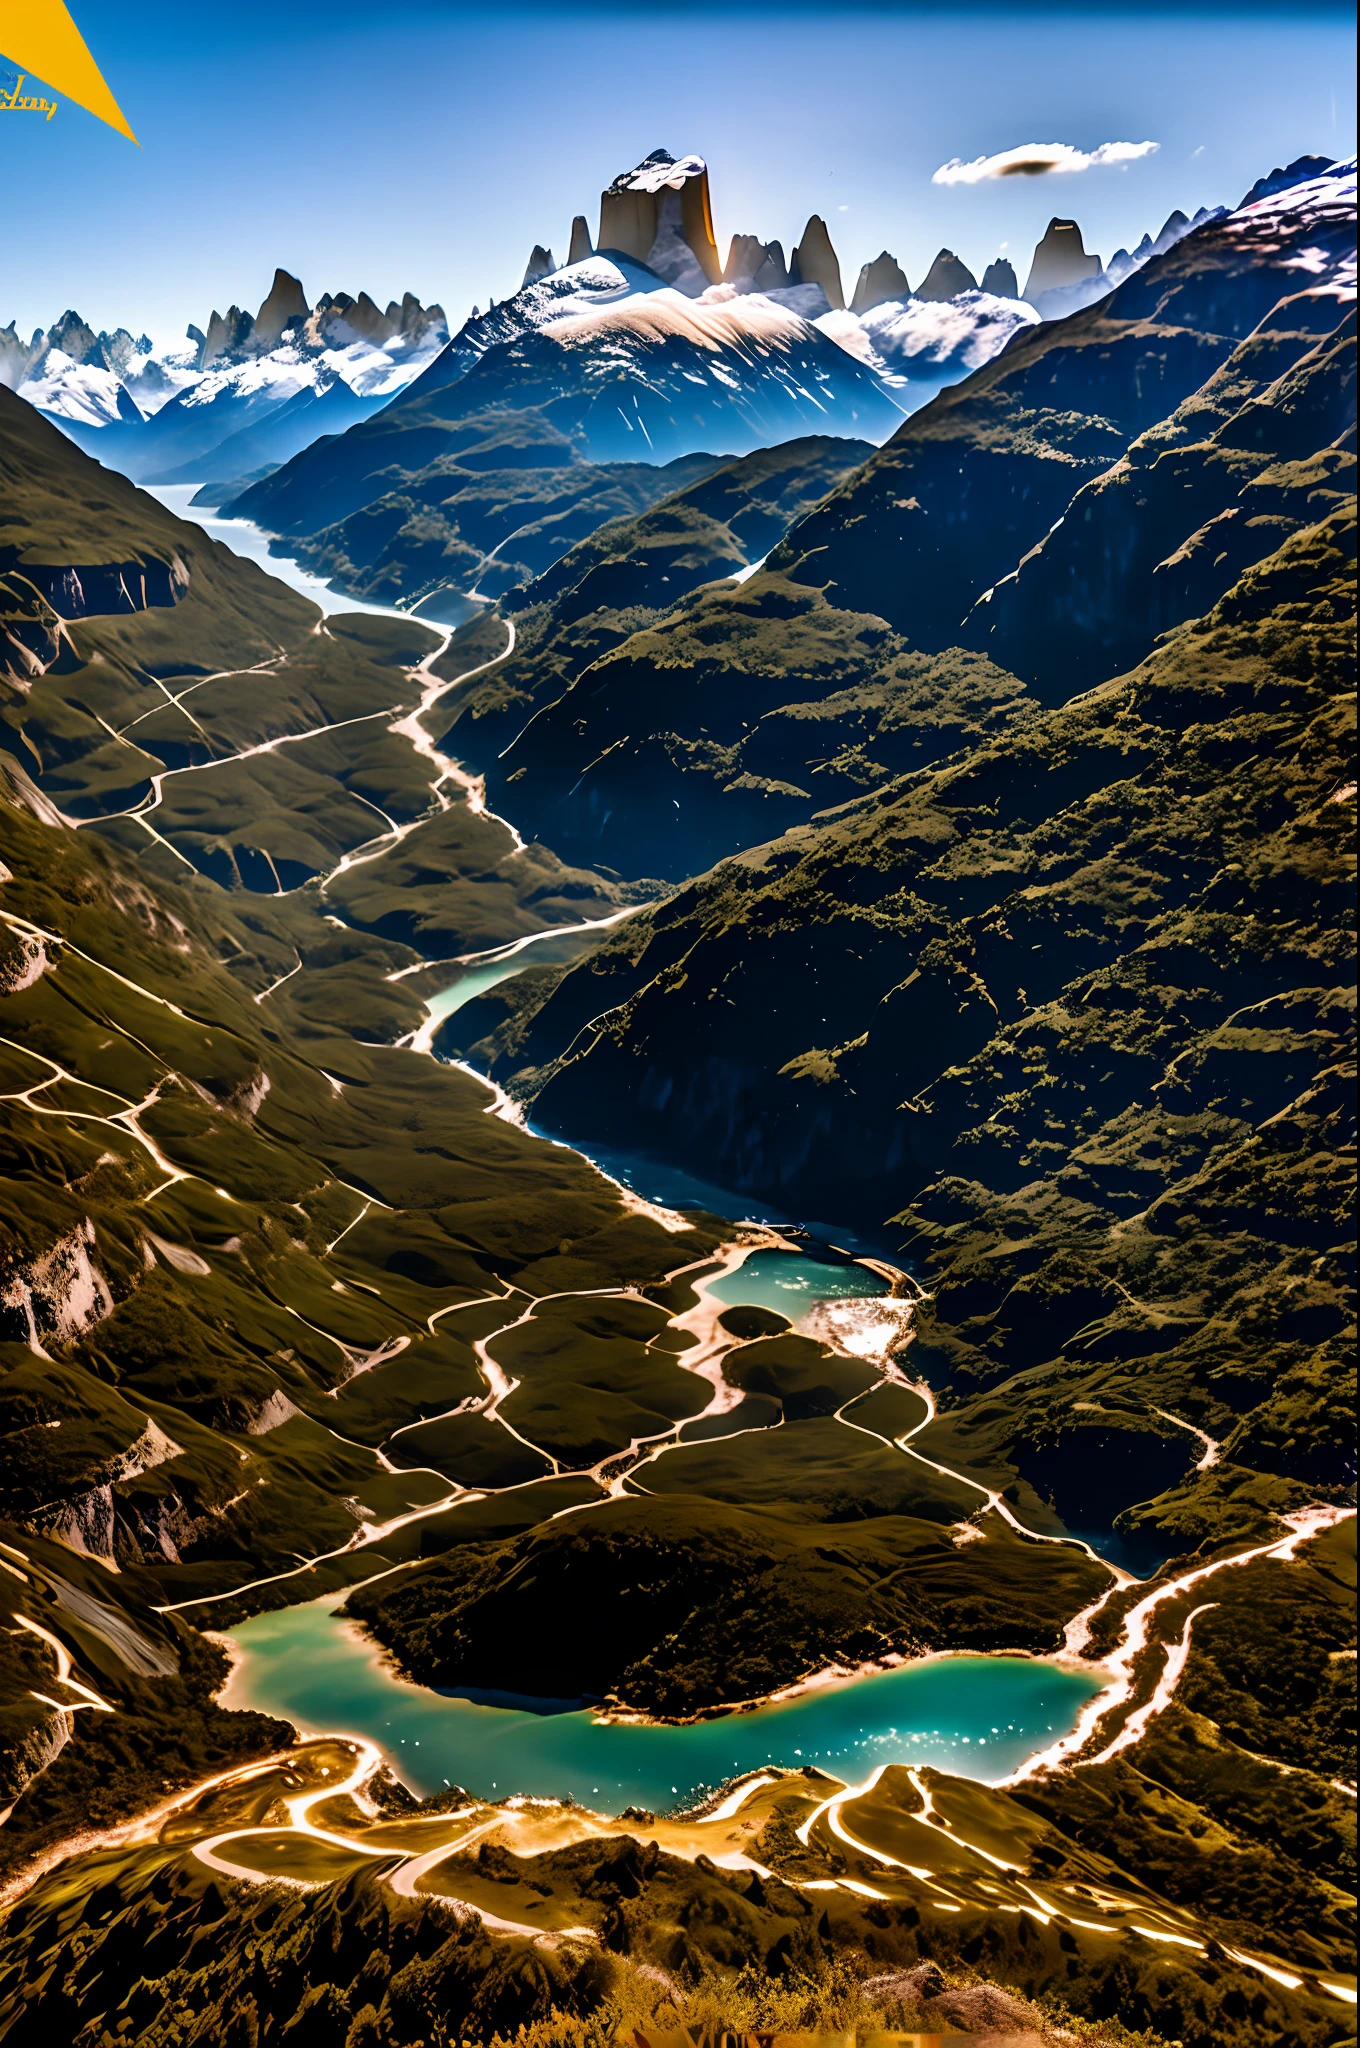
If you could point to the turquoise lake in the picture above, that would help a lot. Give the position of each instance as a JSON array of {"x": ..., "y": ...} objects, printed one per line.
[
  {"x": 792, "y": 1283},
  {"x": 977, "y": 1716}
]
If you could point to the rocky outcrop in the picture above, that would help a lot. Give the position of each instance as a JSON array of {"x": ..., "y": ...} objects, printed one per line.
[
  {"x": 947, "y": 278},
  {"x": 755, "y": 266},
  {"x": 24, "y": 963},
  {"x": 285, "y": 306},
  {"x": 1060, "y": 259},
  {"x": 36, "y": 600},
  {"x": 660, "y": 215},
  {"x": 87, "y": 1522},
  {"x": 52, "y": 1298},
  {"x": 1000, "y": 280},
  {"x": 99, "y": 589},
  {"x": 880, "y": 282},
  {"x": 227, "y": 332},
  {"x": 27, "y": 1756},
  {"x": 979, "y": 2010},
  {"x": 270, "y": 1414},
  {"x": 540, "y": 264},
  {"x": 580, "y": 240},
  {"x": 814, "y": 261}
]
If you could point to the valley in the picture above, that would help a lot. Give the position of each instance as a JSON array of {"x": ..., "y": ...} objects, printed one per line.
[{"x": 944, "y": 943}]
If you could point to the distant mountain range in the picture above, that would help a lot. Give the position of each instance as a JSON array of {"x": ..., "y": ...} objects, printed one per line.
[
  {"x": 644, "y": 349},
  {"x": 243, "y": 396},
  {"x": 615, "y": 346}
]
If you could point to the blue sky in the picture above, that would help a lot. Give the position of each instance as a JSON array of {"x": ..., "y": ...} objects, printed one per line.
[{"x": 425, "y": 146}]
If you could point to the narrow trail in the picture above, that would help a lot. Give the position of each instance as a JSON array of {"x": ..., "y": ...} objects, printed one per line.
[
  {"x": 613, "y": 1472},
  {"x": 447, "y": 772},
  {"x": 408, "y": 726},
  {"x": 1132, "y": 1910},
  {"x": 149, "y": 804}
]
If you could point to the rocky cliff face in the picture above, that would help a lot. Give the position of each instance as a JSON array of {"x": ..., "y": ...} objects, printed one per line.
[
  {"x": 972, "y": 482},
  {"x": 41, "y": 598},
  {"x": 54, "y": 1296},
  {"x": 1000, "y": 280},
  {"x": 880, "y": 282},
  {"x": 755, "y": 266},
  {"x": 814, "y": 261},
  {"x": 1059, "y": 260},
  {"x": 660, "y": 215},
  {"x": 946, "y": 278}
]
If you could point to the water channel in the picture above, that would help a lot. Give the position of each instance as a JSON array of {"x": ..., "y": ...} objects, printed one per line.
[
  {"x": 244, "y": 538},
  {"x": 974, "y": 1715}
]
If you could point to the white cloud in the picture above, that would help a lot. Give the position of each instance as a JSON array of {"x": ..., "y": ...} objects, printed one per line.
[{"x": 1038, "y": 159}]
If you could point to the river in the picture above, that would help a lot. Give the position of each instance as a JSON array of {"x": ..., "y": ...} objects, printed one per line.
[
  {"x": 976, "y": 1716},
  {"x": 244, "y": 538}
]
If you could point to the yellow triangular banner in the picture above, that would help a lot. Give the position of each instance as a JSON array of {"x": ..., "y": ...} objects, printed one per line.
[{"x": 40, "y": 36}]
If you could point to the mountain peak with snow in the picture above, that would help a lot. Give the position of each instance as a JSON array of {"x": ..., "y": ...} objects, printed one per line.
[{"x": 659, "y": 213}]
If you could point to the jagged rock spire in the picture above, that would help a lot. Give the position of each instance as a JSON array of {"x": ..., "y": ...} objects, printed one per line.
[
  {"x": 1000, "y": 280},
  {"x": 1059, "y": 259},
  {"x": 284, "y": 307},
  {"x": 946, "y": 278},
  {"x": 814, "y": 261},
  {"x": 879, "y": 282},
  {"x": 580, "y": 240}
]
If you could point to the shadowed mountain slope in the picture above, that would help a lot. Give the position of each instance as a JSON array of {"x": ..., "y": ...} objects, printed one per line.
[
  {"x": 1265, "y": 447},
  {"x": 504, "y": 501},
  {"x": 1103, "y": 479},
  {"x": 651, "y": 378},
  {"x": 626, "y": 574},
  {"x": 1075, "y": 1005},
  {"x": 968, "y": 485}
]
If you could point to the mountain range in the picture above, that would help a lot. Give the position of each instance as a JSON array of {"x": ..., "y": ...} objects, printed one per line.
[
  {"x": 642, "y": 349},
  {"x": 246, "y": 395},
  {"x": 946, "y": 831}
]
